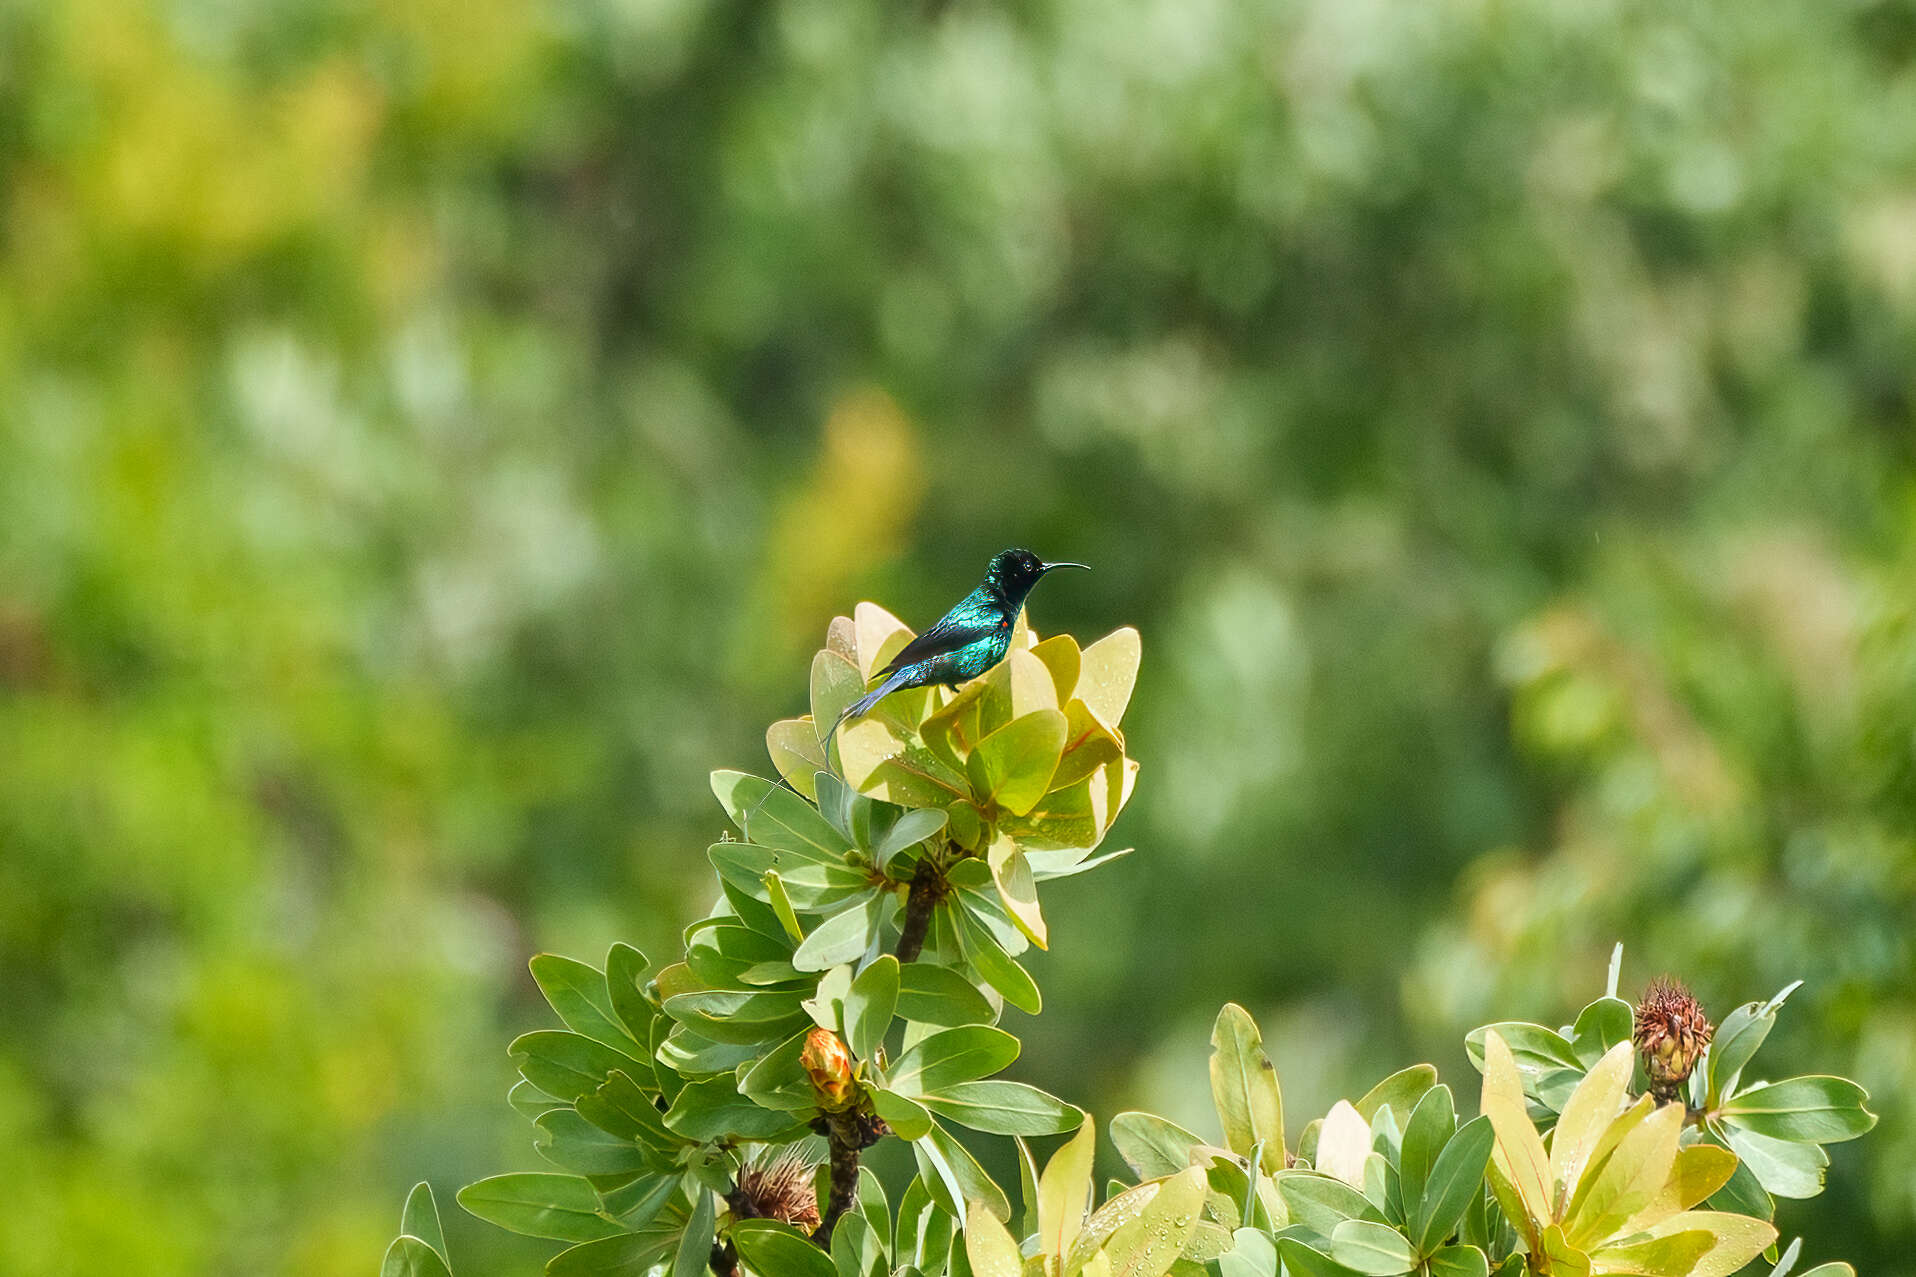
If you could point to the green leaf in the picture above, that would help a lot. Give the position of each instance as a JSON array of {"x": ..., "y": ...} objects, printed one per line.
[
  {"x": 1152, "y": 1146},
  {"x": 713, "y": 1109},
  {"x": 621, "y": 1256},
  {"x": 1026, "y": 1222},
  {"x": 782, "y": 908},
  {"x": 1534, "y": 1049},
  {"x": 843, "y": 937},
  {"x": 1369, "y": 1248},
  {"x": 953, "y": 1176},
  {"x": 1012, "y": 767},
  {"x": 1401, "y": 1091},
  {"x": 931, "y": 994},
  {"x": 412, "y": 1257},
  {"x": 989, "y": 959},
  {"x": 1430, "y": 1127},
  {"x": 1736, "y": 1042},
  {"x": 869, "y": 1006},
  {"x": 1601, "y": 1026},
  {"x": 1744, "y": 1194},
  {"x": 1459, "y": 1261},
  {"x": 1004, "y": 1108},
  {"x": 991, "y": 1250},
  {"x": 562, "y": 1207},
  {"x": 939, "y": 1060},
  {"x": 420, "y": 1218},
  {"x": 1304, "y": 1261},
  {"x": 911, "y": 829},
  {"x": 772, "y": 816},
  {"x": 1816, "y": 1110},
  {"x": 773, "y": 1247},
  {"x": 529, "y": 1101},
  {"x": 744, "y": 1017},
  {"x": 1321, "y": 1203},
  {"x": 1456, "y": 1180},
  {"x": 855, "y": 1250},
  {"x": 573, "y": 1144},
  {"x": 1785, "y": 1168},
  {"x": 908, "y": 1119},
  {"x": 1829, "y": 1270},
  {"x": 1252, "y": 1254},
  {"x": 622, "y": 1109},
  {"x": 1250, "y": 1107},
  {"x": 640, "y": 1202},
  {"x": 872, "y": 1203},
  {"x": 624, "y": 982},
  {"x": 567, "y": 1065},
  {"x": 827, "y": 1006},
  {"x": 695, "y": 1243}
]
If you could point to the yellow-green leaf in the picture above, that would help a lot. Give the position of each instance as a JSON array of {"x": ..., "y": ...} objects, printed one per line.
[
  {"x": 1012, "y": 767},
  {"x": 1588, "y": 1113},
  {"x": 793, "y": 745},
  {"x": 1737, "y": 1240},
  {"x": 1519, "y": 1154},
  {"x": 992, "y": 1250},
  {"x": 1565, "y": 1259},
  {"x": 879, "y": 635},
  {"x": 1250, "y": 1105},
  {"x": 1343, "y": 1144},
  {"x": 1699, "y": 1171},
  {"x": 1017, "y": 889},
  {"x": 1062, "y": 657},
  {"x": 1150, "y": 1244},
  {"x": 1107, "y": 672},
  {"x": 1064, "y": 1191},
  {"x": 1628, "y": 1180},
  {"x": 1032, "y": 685}
]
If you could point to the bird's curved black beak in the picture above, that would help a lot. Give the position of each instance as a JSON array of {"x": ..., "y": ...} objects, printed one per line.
[{"x": 1049, "y": 566}]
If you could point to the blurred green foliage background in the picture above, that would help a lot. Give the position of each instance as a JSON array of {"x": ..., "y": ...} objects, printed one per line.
[{"x": 436, "y": 434}]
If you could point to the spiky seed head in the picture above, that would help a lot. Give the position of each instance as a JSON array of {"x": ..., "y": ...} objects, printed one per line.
[
  {"x": 829, "y": 1064},
  {"x": 1670, "y": 1032},
  {"x": 782, "y": 1188}
]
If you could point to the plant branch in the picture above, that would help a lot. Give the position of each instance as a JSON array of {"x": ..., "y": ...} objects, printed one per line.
[
  {"x": 847, "y": 1137},
  {"x": 927, "y": 889}
]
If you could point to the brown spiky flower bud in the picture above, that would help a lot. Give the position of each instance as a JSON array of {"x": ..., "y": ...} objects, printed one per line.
[
  {"x": 829, "y": 1064},
  {"x": 780, "y": 1189},
  {"x": 1670, "y": 1032}
]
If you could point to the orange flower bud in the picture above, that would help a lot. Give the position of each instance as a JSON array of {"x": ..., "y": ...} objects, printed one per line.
[{"x": 830, "y": 1066}]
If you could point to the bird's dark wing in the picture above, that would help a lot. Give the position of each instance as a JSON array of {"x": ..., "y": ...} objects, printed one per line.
[{"x": 956, "y": 630}]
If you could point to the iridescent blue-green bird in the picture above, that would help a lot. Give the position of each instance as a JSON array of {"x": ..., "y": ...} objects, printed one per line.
[{"x": 969, "y": 639}]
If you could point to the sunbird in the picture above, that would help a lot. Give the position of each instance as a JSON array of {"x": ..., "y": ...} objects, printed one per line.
[{"x": 969, "y": 639}]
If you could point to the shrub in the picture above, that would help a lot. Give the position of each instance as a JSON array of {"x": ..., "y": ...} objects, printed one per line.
[{"x": 710, "y": 1114}]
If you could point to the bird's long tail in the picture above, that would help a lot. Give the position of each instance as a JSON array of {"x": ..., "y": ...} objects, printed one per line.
[{"x": 863, "y": 704}]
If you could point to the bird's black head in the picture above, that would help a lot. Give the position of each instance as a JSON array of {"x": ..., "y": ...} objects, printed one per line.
[{"x": 1014, "y": 572}]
